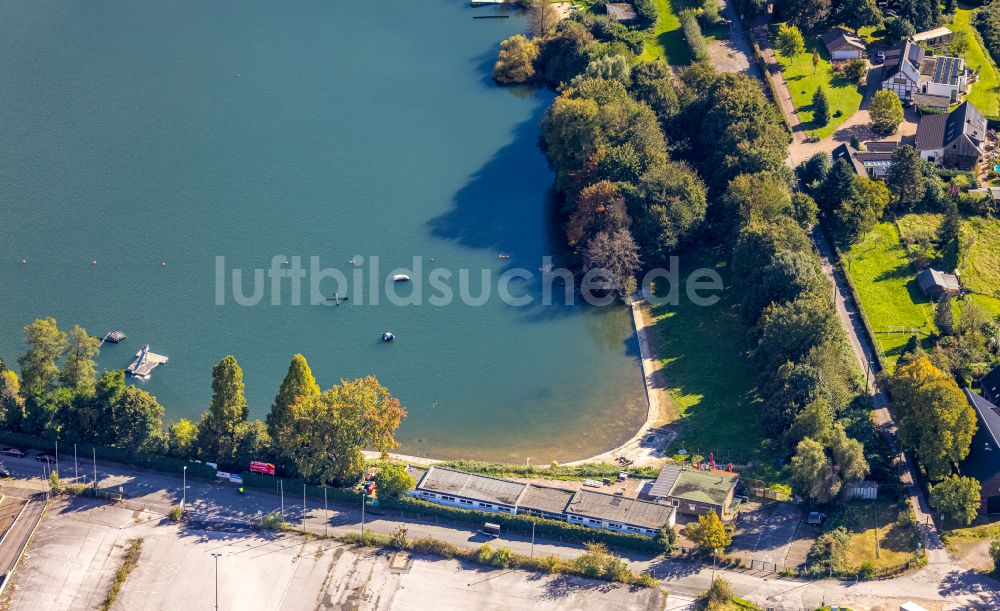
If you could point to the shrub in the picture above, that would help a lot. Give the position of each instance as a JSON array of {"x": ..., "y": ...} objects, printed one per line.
[
  {"x": 398, "y": 539},
  {"x": 516, "y": 61},
  {"x": 693, "y": 36},
  {"x": 429, "y": 545},
  {"x": 484, "y": 554},
  {"x": 55, "y": 485},
  {"x": 867, "y": 571},
  {"x": 503, "y": 558},
  {"x": 175, "y": 513},
  {"x": 272, "y": 521}
]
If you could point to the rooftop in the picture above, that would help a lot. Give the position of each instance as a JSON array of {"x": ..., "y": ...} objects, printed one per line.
[
  {"x": 907, "y": 51},
  {"x": 544, "y": 498},
  {"x": 839, "y": 39},
  {"x": 621, "y": 11},
  {"x": 619, "y": 509},
  {"x": 710, "y": 487},
  {"x": 471, "y": 486},
  {"x": 930, "y": 34},
  {"x": 991, "y": 385},
  {"x": 943, "y": 69},
  {"x": 929, "y": 278},
  {"x": 983, "y": 461}
]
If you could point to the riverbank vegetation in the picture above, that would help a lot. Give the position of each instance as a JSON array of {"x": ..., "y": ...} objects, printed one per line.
[{"x": 312, "y": 434}]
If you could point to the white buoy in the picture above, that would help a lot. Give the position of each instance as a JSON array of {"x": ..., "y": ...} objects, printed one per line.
[
  {"x": 24, "y": 261},
  {"x": 94, "y": 262}
]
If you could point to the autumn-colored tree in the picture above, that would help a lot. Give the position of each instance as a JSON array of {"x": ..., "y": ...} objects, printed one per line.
[
  {"x": 709, "y": 534},
  {"x": 934, "y": 418},
  {"x": 600, "y": 207}
]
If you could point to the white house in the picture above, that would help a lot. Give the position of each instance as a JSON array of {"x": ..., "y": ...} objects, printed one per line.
[
  {"x": 469, "y": 490},
  {"x": 843, "y": 45},
  {"x": 615, "y": 512},
  {"x": 957, "y": 139},
  {"x": 937, "y": 81}
]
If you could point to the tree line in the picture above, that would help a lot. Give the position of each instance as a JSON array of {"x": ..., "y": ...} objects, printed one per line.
[{"x": 317, "y": 435}]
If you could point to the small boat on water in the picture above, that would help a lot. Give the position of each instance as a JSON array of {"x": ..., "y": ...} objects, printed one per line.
[
  {"x": 388, "y": 336},
  {"x": 400, "y": 278}
]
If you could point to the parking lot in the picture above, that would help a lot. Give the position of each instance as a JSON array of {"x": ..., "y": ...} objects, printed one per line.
[
  {"x": 76, "y": 550},
  {"x": 765, "y": 532}
]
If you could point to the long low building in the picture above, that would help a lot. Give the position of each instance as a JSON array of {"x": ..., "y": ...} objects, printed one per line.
[{"x": 583, "y": 507}]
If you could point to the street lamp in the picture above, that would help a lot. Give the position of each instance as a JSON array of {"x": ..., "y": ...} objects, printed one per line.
[
  {"x": 216, "y": 556},
  {"x": 184, "y": 490}
]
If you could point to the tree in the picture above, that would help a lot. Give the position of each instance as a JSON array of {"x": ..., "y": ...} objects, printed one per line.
[
  {"x": 11, "y": 403},
  {"x": 906, "y": 179},
  {"x": 718, "y": 597},
  {"x": 599, "y": 207},
  {"x": 949, "y": 237},
  {"x": 789, "y": 40},
  {"x": 252, "y": 443},
  {"x": 815, "y": 59},
  {"x": 516, "y": 61},
  {"x": 182, "y": 437},
  {"x": 325, "y": 433},
  {"x": 957, "y": 497},
  {"x": 855, "y": 70},
  {"x": 610, "y": 67},
  {"x": 812, "y": 472},
  {"x": 944, "y": 316},
  {"x": 859, "y": 13},
  {"x": 934, "y": 418},
  {"x": 136, "y": 422},
  {"x": 79, "y": 369},
  {"x": 815, "y": 421},
  {"x": 392, "y": 481},
  {"x": 542, "y": 17},
  {"x": 667, "y": 207},
  {"x": 652, "y": 84},
  {"x": 886, "y": 111},
  {"x": 995, "y": 554},
  {"x": 616, "y": 255},
  {"x": 709, "y": 534},
  {"x": 858, "y": 215},
  {"x": 806, "y": 14},
  {"x": 217, "y": 428},
  {"x": 46, "y": 343},
  {"x": 298, "y": 382},
  {"x": 821, "y": 107},
  {"x": 666, "y": 538}
]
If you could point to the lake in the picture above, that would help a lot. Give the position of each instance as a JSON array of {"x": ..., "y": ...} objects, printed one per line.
[{"x": 154, "y": 138}]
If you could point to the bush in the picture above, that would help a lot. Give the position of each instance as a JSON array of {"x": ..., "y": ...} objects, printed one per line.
[
  {"x": 399, "y": 539},
  {"x": 175, "y": 513},
  {"x": 693, "y": 36},
  {"x": 503, "y": 558},
  {"x": 429, "y": 545},
  {"x": 867, "y": 571},
  {"x": 272, "y": 521}
]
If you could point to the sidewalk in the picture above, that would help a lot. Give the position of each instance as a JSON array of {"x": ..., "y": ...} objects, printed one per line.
[{"x": 759, "y": 32}]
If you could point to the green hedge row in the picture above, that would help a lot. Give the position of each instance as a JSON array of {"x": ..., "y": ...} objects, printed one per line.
[{"x": 86, "y": 451}]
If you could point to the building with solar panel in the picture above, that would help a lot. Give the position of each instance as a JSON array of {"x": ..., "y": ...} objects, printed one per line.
[{"x": 917, "y": 78}]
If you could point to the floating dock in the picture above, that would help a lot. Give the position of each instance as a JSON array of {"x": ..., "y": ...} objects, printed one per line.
[
  {"x": 145, "y": 362},
  {"x": 114, "y": 337},
  {"x": 486, "y": 2}
]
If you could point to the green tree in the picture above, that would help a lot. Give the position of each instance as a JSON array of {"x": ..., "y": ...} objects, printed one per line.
[
  {"x": 392, "y": 481},
  {"x": 516, "y": 61},
  {"x": 252, "y": 443},
  {"x": 298, "y": 382},
  {"x": 944, "y": 316},
  {"x": 217, "y": 428},
  {"x": 858, "y": 214},
  {"x": 886, "y": 111},
  {"x": 815, "y": 421},
  {"x": 855, "y": 70},
  {"x": 325, "y": 434},
  {"x": 815, "y": 59},
  {"x": 821, "y": 107},
  {"x": 79, "y": 371},
  {"x": 957, "y": 497},
  {"x": 806, "y": 14},
  {"x": 137, "y": 422},
  {"x": 789, "y": 40},
  {"x": 666, "y": 538},
  {"x": 182, "y": 438},
  {"x": 949, "y": 237},
  {"x": 709, "y": 534},
  {"x": 46, "y": 343},
  {"x": 934, "y": 418},
  {"x": 813, "y": 472},
  {"x": 906, "y": 178},
  {"x": 719, "y": 597},
  {"x": 995, "y": 555},
  {"x": 667, "y": 207},
  {"x": 859, "y": 13}
]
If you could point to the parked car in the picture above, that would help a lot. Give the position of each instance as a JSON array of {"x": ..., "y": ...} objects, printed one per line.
[
  {"x": 4, "y": 472},
  {"x": 491, "y": 529},
  {"x": 47, "y": 458},
  {"x": 12, "y": 452}
]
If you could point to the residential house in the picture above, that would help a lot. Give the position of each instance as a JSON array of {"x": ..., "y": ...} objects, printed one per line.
[
  {"x": 873, "y": 162},
  {"x": 694, "y": 491},
  {"x": 622, "y": 12},
  {"x": 983, "y": 461},
  {"x": 956, "y": 139},
  {"x": 990, "y": 383},
  {"x": 618, "y": 513},
  {"x": 544, "y": 502},
  {"x": 936, "y": 38},
  {"x": 935, "y": 283},
  {"x": 843, "y": 45},
  {"x": 469, "y": 490},
  {"x": 917, "y": 78}
]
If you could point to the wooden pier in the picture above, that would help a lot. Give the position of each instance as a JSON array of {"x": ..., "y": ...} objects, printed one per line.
[
  {"x": 145, "y": 362},
  {"x": 114, "y": 337}
]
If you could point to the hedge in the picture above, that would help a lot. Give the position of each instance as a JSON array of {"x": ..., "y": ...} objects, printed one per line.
[
  {"x": 156, "y": 462},
  {"x": 693, "y": 36}
]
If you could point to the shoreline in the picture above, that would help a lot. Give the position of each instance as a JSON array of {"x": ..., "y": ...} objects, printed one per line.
[{"x": 657, "y": 402}]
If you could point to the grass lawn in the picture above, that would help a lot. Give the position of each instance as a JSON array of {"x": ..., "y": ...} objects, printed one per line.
[
  {"x": 703, "y": 351},
  {"x": 896, "y": 542},
  {"x": 665, "y": 40},
  {"x": 985, "y": 93},
  {"x": 980, "y": 269},
  {"x": 887, "y": 287},
  {"x": 803, "y": 80}
]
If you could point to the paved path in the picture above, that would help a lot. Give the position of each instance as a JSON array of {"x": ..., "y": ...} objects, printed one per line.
[
  {"x": 864, "y": 352},
  {"x": 785, "y": 103},
  {"x": 16, "y": 538}
]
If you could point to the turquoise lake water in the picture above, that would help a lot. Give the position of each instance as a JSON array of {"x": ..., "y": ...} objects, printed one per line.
[{"x": 352, "y": 128}]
